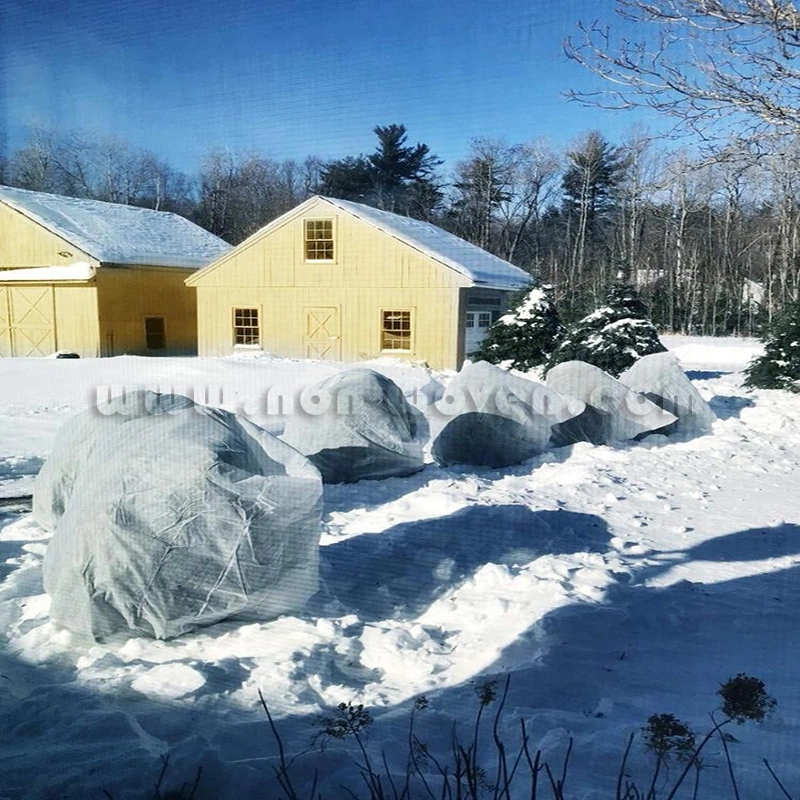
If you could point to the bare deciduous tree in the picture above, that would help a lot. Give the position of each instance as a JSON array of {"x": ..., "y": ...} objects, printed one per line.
[
  {"x": 500, "y": 193},
  {"x": 713, "y": 65}
]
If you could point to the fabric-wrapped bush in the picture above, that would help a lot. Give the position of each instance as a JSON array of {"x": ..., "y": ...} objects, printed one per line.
[
  {"x": 614, "y": 413},
  {"x": 168, "y": 516},
  {"x": 358, "y": 425},
  {"x": 660, "y": 378},
  {"x": 497, "y": 419}
]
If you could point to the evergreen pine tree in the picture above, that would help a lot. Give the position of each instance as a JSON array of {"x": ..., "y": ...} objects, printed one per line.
[
  {"x": 612, "y": 337},
  {"x": 779, "y": 366},
  {"x": 527, "y": 335},
  {"x": 396, "y": 177}
]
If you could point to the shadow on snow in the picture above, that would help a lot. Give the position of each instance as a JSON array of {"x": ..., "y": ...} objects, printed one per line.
[{"x": 585, "y": 661}]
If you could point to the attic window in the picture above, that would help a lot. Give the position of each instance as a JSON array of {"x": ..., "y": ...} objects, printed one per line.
[{"x": 319, "y": 239}]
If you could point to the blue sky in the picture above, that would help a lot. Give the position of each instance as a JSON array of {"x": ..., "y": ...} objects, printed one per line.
[{"x": 290, "y": 78}]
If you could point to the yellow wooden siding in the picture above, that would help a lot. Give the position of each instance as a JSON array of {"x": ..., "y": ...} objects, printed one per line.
[
  {"x": 371, "y": 271},
  {"x": 284, "y": 316},
  {"x": 26, "y": 243},
  {"x": 36, "y": 319},
  {"x": 127, "y": 295},
  {"x": 364, "y": 257},
  {"x": 77, "y": 327}
]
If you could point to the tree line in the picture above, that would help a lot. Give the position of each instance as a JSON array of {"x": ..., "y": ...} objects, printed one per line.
[{"x": 712, "y": 242}]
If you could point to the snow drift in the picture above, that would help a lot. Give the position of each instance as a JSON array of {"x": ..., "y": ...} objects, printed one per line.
[
  {"x": 499, "y": 419},
  {"x": 659, "y": 378},
  {"x": 168, "y": 516},
  {"x": 367, "y": 428},
  {"x": 614, "y": 413}
]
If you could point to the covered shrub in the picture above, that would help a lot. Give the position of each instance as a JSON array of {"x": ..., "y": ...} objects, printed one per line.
[
  {"x": 366, "y": 428},
  {"x": 498, "y": 419},
  {"x": 168, "y": 516}
]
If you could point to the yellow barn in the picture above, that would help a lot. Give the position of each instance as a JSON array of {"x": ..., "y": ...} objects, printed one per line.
[
  {"x": 333, "y": 279},
  {"x": 97, "y": 279}
]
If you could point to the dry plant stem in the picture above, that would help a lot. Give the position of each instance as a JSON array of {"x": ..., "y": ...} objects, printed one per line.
[
  {"x": 777, "y": 780},
  {"x": 389, "y": 777},
  {"x": 651, "y": 792},
  {"x": 164, "y": 766},
  {"x": 502, "y": 778},
  {"x": 696, "y": 753},
  {"x": 557, "y": 793},
  {"x": 730, "y": 765},
  {"x": 533, "y": 764},
  {"x": 282, "y": 770},
  {"x": 621, "y": 773}
]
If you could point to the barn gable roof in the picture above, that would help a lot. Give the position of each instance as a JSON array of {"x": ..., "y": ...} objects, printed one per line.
[
  {"x": 119, "y": 234},
  {"x": 481, "y": 268},
  {"x": 471, "y": 261}
]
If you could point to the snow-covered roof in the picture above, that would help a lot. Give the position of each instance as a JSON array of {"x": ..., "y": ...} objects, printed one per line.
[
  {"x": 80, "y": 271},
  {"x": 119, "y": 234},
  {"x": 483, "y": 268}
]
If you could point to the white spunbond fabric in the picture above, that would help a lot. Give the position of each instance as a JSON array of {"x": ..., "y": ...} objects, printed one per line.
[
  {"x": 360, "y": 427},
  {"x": 168, "y": 516},
  {"x": 497, "y": 419},
  {"x": 614, "y": 412},
  {"x": 660, "y": 378}
]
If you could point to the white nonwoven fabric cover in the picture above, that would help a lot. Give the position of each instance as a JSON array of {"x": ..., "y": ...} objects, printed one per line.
[
  {"x": 497, "y": 419},
  {"x": 357, "y": 425},
  {"x": 168, "y": 516},
  {"x": 661, "y": 379},
  {"x": 614, "y": 412}
]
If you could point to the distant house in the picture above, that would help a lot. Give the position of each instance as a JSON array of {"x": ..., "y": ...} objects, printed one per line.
[
  {"x": 753, "y": 294},
  {"x": 332, "y": 279},
  {"x": 98, "y": 279}
]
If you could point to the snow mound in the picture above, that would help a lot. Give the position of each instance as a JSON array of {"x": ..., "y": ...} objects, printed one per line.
[
  {"x": 168, "y": 516},
  {"x": 614, "y": 413},
  {"x": 366, "y": 428},
  {"x": 498, "y": 419},
  {"x": 659, "y": 377}
]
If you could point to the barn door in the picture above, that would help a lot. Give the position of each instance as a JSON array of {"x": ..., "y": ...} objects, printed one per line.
[
  {"x": 32, "y": 320},
  {"x": 322, "y": 337},
  {"x": 5, "y": 324}
]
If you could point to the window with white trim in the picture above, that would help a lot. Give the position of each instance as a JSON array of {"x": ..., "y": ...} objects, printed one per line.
[
  {"x": 319, "y": 240},
  {"x": 396, "y": 330},
  {"x": 479, "y": 319},
  {"x": 246, "y": 327}
]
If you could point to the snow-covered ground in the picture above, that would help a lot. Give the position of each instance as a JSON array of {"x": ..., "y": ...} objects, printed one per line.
[{"x": 611, "y": 583}]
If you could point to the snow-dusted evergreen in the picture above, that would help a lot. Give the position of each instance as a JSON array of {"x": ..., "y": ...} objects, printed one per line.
[
  {"x": 526, "y": 336},
  {"x": 612, "y": 337},
  {"x": 779, "y": 366}
]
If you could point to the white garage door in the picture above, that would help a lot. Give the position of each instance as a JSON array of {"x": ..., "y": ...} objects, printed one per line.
[{"x": 478, "y": 324}]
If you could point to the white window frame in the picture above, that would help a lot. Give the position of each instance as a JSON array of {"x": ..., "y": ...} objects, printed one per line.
[
  {"x": 306, "y": 241},
  {"x": 258, "y": 327},
  {"x": 411, "y": 328}
]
